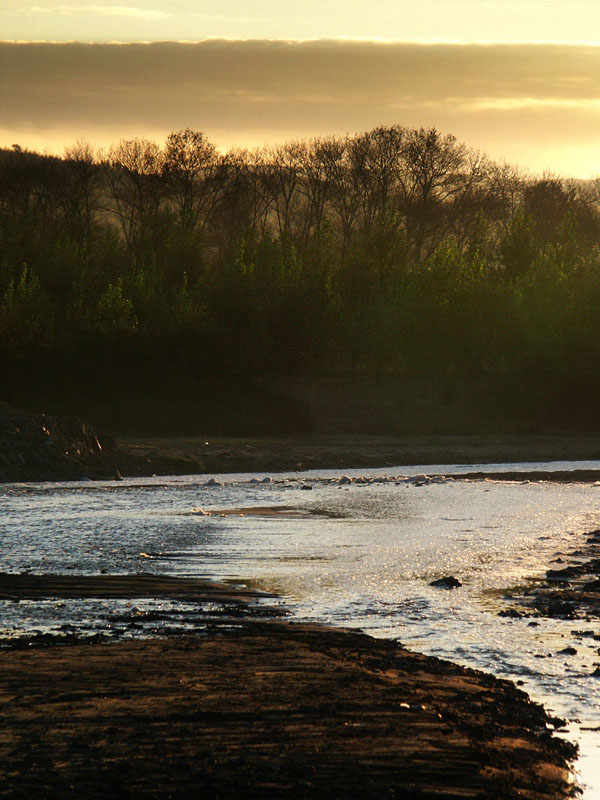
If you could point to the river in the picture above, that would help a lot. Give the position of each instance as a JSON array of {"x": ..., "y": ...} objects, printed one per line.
[{"x": 358, "y": 550}]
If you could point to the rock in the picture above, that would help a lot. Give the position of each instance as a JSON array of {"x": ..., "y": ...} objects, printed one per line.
[
  {"x": 562, "y": 610},
  {"x": 448, "y": 582},
  {"x": 568, "y": 651},
  {"x": 585, "y": 634},
  {"x": 561, "y": 575}
]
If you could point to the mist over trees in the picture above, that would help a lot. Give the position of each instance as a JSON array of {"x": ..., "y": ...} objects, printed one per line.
[{"x": 396, "y": 256}]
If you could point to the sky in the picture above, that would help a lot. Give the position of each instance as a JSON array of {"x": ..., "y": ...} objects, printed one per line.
[{"x": 517, "y": 79}]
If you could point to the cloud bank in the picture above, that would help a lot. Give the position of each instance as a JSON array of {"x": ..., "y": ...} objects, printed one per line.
[
  {"x": 64, "y": 9},
  {"x": 536, "y": 104}
]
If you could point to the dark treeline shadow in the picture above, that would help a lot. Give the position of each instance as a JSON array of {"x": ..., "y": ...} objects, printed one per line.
[{"x": 394, "y": 281}]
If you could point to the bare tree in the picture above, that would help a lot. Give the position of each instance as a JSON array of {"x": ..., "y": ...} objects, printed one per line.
[
  {"x": 243, "y": 206},
  {"x": 377, "y": 166},
  {"x": 196, "y": 175},
  {"x": 134, "y": 181},
  {"x": 343, "y": 192},
  {"x": 436, "y": 172},
  {"x": 81, "y": 188},
  {"x": 281, "y": 179},
  {"x": 313, "y": 185}
]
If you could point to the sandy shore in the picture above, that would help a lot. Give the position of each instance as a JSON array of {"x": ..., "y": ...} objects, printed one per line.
[{"x": 260, "y": 709}]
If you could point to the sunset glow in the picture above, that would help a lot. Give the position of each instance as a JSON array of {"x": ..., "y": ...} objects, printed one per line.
[
  {"x": 256, "y": 72},
  {"x": 412, "y": 20}
]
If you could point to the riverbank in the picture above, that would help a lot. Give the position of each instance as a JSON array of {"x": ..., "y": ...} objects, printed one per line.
[
  {"x": 287, "y": 454},
  {"x": 39, "y": 447},
  {"x": 139, "y": 456},
  {"x": 261, "y": 709}
]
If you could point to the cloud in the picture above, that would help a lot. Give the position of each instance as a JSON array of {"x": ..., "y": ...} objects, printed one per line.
[
  {"x": 409, "y": 20},
  {"x": 111, "y": 11},
  {"x": 512, "y": 100},
  {"x": 533, "y": 103}
]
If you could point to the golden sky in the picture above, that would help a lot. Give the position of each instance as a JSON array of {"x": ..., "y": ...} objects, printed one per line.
[
  {"x": 262, "y": 71},
  {"x": 568, "y": 21}
]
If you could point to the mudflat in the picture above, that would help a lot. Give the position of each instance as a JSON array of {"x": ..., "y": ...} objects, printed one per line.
[
  {"x": 26, "y": 586},
  {"x": 262, "y": 709}
]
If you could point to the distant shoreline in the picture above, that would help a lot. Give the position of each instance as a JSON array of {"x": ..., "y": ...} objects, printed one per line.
[
  {"x": 344, "y": 452},
  {"x": 38, "y": 447}
]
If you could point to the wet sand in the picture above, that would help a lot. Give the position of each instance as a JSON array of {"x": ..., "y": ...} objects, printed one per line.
[
  {"x": 25, "y": 586},
  {"x": 254, "y": 511},
  {"x": 554, "y": 476},
  {"x": 260, "y": 709}
]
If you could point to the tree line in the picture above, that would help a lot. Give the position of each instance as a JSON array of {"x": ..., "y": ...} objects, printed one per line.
[{"x": 397, "y": 254}]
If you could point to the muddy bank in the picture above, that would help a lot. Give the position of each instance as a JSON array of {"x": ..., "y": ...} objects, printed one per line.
[
  {"x": 555, "y": 476},
  {"x": 41, "y": 447},
  {"x": 37, "y": 447},
  {"x": 25, "y": 586},
  {"x": 344, "y": 452},
  {"x": 266, "y": 710}
]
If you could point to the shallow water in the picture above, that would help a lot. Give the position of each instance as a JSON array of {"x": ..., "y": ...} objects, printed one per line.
[{"x": 359, "y": 554}]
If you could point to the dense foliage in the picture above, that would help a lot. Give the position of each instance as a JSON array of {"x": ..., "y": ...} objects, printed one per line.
[{"x": 399, "y": 255}]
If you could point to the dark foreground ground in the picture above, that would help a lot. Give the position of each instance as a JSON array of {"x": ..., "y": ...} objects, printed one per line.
[{"x": 260, "y": 709}]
